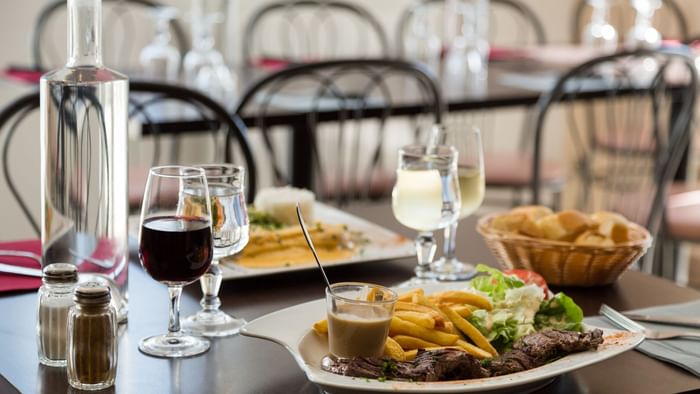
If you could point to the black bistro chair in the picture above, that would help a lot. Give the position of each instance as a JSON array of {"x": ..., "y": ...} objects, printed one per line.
[
  {"x": 644, "y": 99},
  {"x": 123, "y": 19},
  {"x": 147, "y": 103},
  {"x": 346, "y": 120},
  {"x": 302, "y": 31}
]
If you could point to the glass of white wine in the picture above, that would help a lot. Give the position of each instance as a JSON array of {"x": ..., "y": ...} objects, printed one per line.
[
  {"x": 470, "y": 170},
  {"x": 426, "y": 198}
]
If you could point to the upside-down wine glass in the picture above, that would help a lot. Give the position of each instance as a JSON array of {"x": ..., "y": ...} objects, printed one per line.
[
  {"x": 470, "y": 170},
  {"x": 160, "y": 60},
  {"x": 175, "y": 247},
  {"x": 230, "y": 230},
  {"x": 426, "y": 198},
  {"x": 643, "y": 35}
]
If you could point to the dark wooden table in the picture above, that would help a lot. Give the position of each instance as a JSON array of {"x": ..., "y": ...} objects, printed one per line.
[{"x": 246, "y": 365}]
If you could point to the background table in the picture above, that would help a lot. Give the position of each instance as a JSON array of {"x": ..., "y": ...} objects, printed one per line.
[{"x": 247, "y": 365}]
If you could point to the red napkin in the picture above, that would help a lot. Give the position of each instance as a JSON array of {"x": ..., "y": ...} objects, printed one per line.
[
  {"x": 11, "y": 282},
  {"x": 22, "y": 74},
  {"x": 270, "y": 64}
]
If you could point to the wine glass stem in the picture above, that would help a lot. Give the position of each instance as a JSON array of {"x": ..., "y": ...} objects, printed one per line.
[
  {"x": 211, "y": 283},
  {"x": 450, "y": 241},
  {"x": 425, "y": 249},
  {"x": 174, "y": 323}
]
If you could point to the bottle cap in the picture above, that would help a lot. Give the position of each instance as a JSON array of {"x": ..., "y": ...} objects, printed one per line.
[
  {"x": 92, "y": 293},
  {"x": 60, "y": 273}
]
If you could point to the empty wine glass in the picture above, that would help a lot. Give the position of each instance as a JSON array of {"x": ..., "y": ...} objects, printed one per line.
[
  {"x": 175, "y": 247},
  {"x": 470, "y": 170},
  {"x": 426, "y": 198},
  {"x": 599, "y": 33},
  {"x": 160, "y": 60},
  {"x": 203, "y": 65},
  {"x": 643, "y": 35},
  {"x": 230, "y": 230}
]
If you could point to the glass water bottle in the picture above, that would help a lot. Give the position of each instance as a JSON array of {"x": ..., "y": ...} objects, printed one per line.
[{"x": 84, "y": 159}]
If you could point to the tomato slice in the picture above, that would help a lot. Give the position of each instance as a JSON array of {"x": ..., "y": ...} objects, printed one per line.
[{"x": 530, "y": 277}]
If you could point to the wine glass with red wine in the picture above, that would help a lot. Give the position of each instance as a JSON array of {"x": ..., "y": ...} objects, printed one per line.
[{"x": 175, "y": 247}]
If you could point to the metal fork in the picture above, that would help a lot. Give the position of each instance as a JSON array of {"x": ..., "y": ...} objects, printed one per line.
[{"x": 624, "y": 322}]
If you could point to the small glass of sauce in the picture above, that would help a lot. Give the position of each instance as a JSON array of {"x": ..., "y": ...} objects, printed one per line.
[{"x": 359, "y": 315}]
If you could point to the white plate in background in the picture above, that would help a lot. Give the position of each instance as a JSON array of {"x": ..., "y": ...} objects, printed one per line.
[{"x": 383, "y": 244}]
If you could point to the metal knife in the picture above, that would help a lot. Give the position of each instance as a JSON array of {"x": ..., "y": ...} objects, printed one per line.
[
  {"x": 18, "y": 270},
  {"x": 674, "y": 320}
]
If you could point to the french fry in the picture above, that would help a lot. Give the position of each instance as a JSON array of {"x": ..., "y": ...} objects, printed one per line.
[
  {"x": 393, "y": 350},
  {"x": 409, "y": 306},
  {"x": 473, "y": 350},
  {"x": 421, "y": 318},
  {"x": 469, "y": 330},
  {"x": 463, "y": 310},
  {"x": 399, "y": 326},
  {"x": 464, "y": 297},
  {"x": 408, "y": 296},
  {"x": 447, "y": 327},
  {"x": 424, "y": 301},
  {"x": 321, "y": 327},
  {"x": 410, "y": 355},
  {"x": 410, "y": 343},
  {"x": 371, "y": 294}
]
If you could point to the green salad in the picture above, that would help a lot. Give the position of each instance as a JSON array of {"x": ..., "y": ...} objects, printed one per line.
[{"x": 520, "y": 308}]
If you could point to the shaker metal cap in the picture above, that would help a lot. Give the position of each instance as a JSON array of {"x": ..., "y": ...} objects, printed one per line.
[
  {"x": 92, "y": 293},
  {"x": 60, "y": 273}
]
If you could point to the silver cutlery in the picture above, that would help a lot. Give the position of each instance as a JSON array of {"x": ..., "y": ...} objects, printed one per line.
[
  {"x": 19, "y": 270},
  {"x": 624, "y": 322},
  {"x": 666, "y": 319}
]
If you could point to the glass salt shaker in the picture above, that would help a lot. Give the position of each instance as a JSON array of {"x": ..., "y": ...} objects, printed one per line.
[
  {"x": 92, "y": 339},
  {"x": 55, "y": 299}
]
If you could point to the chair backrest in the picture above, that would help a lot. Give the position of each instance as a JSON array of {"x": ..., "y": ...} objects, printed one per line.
[
  {"x": 627, "y": 139},
  {"x": 343, "y": 108},
  {"x": 511, "y": 22},
  {"x": 299, "y": 31},
  {"x": 123, "y": 22},
  {"x": 669, "y": 20},
  {"x": 147, "y": 104}
]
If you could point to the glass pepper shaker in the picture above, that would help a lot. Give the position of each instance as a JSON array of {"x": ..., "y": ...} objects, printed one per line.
[
  {"x": 92, "y": 339},
  {"x": 55, "y": 299}
]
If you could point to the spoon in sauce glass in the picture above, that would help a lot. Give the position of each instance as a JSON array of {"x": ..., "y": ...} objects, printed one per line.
[{"x": 307, "y": 237}]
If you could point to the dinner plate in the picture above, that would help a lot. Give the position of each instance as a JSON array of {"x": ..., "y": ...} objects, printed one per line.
[
  {"x": 291, "y": 328},
  {"x": 383, "y": 244}
]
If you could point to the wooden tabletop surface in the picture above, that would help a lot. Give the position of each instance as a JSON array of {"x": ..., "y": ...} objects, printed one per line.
[{"x": 247, "y": 365}]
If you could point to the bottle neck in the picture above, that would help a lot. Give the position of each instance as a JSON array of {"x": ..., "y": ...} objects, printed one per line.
[{"x": 84, "y": 33}]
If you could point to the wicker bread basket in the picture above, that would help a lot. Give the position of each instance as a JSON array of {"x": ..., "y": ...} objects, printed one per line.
[{"x": 563, "y": 263}]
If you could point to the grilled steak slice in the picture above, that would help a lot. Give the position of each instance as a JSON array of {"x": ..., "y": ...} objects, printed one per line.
[
  {"x": 528, "y": 352},
  {"x": 428, "y": 366},
  {"x": 541, "y": 347}
]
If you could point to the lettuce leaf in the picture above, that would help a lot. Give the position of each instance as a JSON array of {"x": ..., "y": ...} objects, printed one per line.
[
  {"x": 495, "y": 283},
  {"x": 560, "y": 312}
]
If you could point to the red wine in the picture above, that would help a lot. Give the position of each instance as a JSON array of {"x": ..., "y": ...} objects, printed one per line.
[{"x": 175, "y": 249}]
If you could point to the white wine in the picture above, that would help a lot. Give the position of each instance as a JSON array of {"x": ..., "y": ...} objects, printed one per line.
[
  {"x": 417, "y": 200},
  {"x": 471, "y": 188}
]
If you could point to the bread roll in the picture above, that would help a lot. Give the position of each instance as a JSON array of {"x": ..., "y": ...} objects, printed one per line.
[
  {"x": 592, "y": 238},
  {"x": 563, "y": 226},
  {"x": 508, "y": 222},
  {"x": 612, "y": 225},
  {"x": 532, "y": 214}
]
